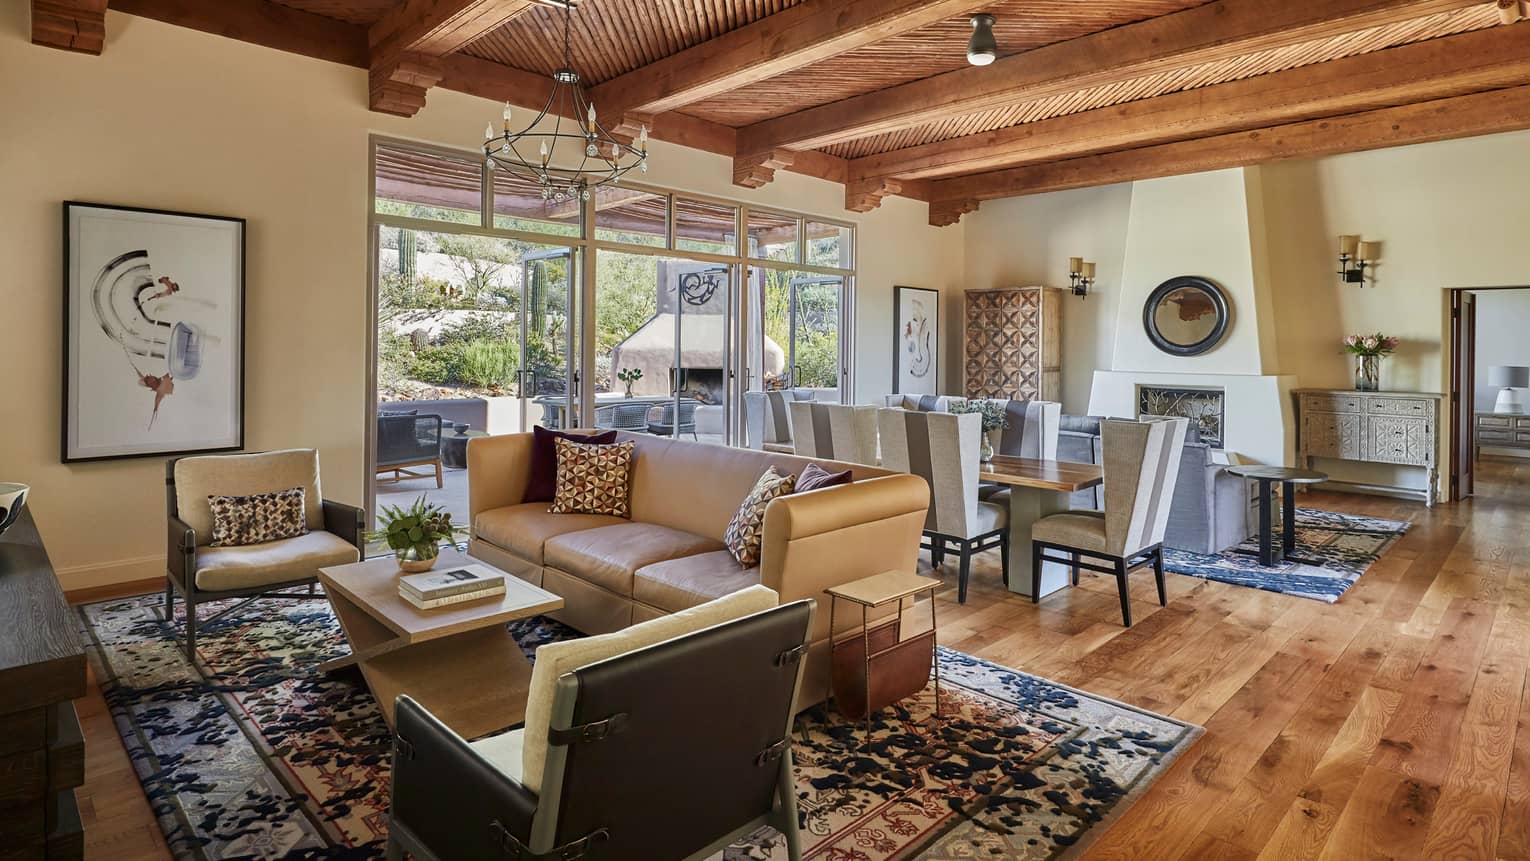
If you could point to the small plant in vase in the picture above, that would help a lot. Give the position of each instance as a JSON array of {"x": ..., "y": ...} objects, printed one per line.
[
  {"x": 629, "y": 376},
  {"x": 414, "y": 534},
  {"x": 993, "y": 419},
  {"x": 1368, "y": 351}
]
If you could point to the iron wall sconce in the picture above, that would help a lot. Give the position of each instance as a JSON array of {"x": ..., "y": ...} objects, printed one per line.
[
  {"x": 1355, "y": 257},
  {"x": 1080, "y": 276}
]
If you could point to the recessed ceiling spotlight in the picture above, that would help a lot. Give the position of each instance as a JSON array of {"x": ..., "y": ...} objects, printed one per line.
[{"x": 981, "y": 48}]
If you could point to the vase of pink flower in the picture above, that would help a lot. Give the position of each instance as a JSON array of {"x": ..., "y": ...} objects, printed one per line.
[{"x": 1368, "y": 351}]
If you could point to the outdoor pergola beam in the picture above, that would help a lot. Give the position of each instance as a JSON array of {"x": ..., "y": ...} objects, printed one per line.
[
  {"x": 808, "y": 33},
  {"x": 73, "y": 25},
  {"x": 1220, "y": 30},
  {"x": 1437, "y": 68},
  {"x": 407, "y": 44},
  {"x": 1441, "y": 119}
]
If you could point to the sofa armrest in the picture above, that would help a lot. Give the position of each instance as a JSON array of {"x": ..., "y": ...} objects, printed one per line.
[
  {"x": 346, "y": 521},
  {"x": 180, "y": 548},
  {"x": 447, "y": 796},
  {"x": 498, "y": 468},
  {"x": 804, "y": 515}
]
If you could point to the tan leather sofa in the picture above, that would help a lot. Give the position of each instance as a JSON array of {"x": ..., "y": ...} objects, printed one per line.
[{"x": 670, "y": 556}]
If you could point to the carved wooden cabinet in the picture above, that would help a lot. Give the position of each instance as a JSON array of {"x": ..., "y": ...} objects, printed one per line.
[
  {"x": 1399, "y": 428},
  {"x": 1012, "y": 343}
]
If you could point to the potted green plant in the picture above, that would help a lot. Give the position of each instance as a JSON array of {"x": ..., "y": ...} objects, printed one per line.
[
  {"x": 414, "y": 534},
  {"x": 628, "y": 376},
  {"x": 993, "y": 419}
]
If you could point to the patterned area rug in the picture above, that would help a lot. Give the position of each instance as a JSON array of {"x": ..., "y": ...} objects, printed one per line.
[
  {"x": 266, "y": 758},
  {"x": 1332, "y": 551}
]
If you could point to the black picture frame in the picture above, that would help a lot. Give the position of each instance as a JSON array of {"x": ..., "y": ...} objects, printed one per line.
[
  {"x": 67, "y": 454},
  {"x": 1221, "y": 307},
  {"x": 932, "y": 296}
]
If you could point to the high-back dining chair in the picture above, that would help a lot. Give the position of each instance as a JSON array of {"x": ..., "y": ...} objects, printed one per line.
[
  {"x": 768, "y": 421},
  {"x": 943, "y": 449},
  {"x": 835, "y": 431},
  {"x": 1141, "y": 468},
  {"x": 1030, "y": 430}
]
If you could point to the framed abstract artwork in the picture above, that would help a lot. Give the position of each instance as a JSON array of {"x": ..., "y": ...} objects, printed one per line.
[
  {"x": 916, "y": 351},
  {"x": 153, "y": 332}
]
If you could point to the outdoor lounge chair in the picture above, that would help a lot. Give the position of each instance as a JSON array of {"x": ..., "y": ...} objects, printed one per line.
[
  {"x": 661, "y": 419},
  {"x": 408, "y": 440}
]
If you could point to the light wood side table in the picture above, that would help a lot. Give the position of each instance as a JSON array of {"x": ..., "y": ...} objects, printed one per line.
[{"x": 881, "y": 664}]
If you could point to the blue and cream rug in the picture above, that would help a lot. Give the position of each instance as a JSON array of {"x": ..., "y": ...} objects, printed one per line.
[
  {"x": 267, "y": 758},
  {"x": 1332, "y": 551}
]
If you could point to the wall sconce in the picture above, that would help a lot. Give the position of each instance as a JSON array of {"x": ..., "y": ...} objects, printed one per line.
[
  {"x": 1080, "y": 276},
  {"x": 1355, "y": 257}
]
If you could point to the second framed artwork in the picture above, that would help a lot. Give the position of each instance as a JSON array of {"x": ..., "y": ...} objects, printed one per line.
[{"x": 916, "y": 344}]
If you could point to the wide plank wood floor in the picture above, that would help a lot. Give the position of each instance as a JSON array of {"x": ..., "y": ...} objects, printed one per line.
[{"x": 1394, "y": 724}]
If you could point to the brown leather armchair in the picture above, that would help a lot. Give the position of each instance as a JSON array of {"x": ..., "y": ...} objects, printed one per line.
[{"x": 674, "y": 750}]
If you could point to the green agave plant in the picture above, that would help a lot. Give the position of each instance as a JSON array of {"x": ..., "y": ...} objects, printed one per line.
[{"x": 417, "y": 530}]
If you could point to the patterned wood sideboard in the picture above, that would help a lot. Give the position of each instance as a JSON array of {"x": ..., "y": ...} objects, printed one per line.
[
  {"x": 1012, "y": 343},
  {"x": 1399, "y": 428},
  {"x": 1502, "y": 430}
]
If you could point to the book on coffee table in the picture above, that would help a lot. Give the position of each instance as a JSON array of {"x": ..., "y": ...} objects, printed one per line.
[
  {"x": 458, "y": 598},
  {"x": 449, "y": 583}
]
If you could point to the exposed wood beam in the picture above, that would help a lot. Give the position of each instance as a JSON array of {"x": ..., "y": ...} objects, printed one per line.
[
  {"x": 804, "y": 34},
  {"x": 407, "y": 44},
  {"x": 1215, "y": 31},
  {"x": 1441, "y": 119},
  {"x": 1437, "y": 68},
  {"x": 261, "y": 23},
  {"x": 73, "y": 25}
]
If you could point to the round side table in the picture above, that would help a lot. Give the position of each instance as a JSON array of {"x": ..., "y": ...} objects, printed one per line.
[
  {"x": 454, "y": 448},
  {"x": 1269, "y": 553}
]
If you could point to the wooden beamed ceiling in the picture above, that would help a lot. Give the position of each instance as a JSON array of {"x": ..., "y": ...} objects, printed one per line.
[{"x": 876, "y": 94}]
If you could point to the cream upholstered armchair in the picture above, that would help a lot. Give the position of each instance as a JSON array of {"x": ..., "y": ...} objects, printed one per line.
[
  {"x": 942, "y": 448},
  {"x": 200, "y": 572},
  {"x": 1141, "y": 469},
  {"x": 613, "y": 760},
  {"x": 835, "y": 431}
]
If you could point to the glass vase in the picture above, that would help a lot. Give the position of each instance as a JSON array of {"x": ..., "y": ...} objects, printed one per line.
[
  {"x": 1367, "y": 373},
  {"x": 985, "y": 452},
  {"x": 417, "y": 559}
]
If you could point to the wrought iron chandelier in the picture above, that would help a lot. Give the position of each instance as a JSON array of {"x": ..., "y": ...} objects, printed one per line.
[{"x": 533, "y": 155}]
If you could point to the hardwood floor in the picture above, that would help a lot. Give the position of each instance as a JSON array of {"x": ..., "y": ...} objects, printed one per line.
[{"x": 1394, "y": 724}]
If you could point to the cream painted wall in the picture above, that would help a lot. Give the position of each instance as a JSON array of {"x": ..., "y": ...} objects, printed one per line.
[
  {"x": 174, "y": 119},
  {"x": 1028, "y": 240}
]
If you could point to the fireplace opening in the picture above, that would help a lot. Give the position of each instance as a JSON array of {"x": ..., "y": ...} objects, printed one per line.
[
  {"x": 707, "y": 385},
  {"x": 1205, "y": 408}
]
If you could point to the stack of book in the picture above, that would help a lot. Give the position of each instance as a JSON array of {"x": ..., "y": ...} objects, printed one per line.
[{"x": 452, "y": 586}]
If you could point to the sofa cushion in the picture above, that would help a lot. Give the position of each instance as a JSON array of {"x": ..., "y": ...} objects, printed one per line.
[
  {"x": 503, "y": 751},
  {"x": 257, "y": 518},
  {"x": 594, "y": 479},
  {"x": 555, "y": 659},
  {"x": 223, "y": 568},
  {"x": 609, "y": 556},
  {"x": 815, "y": 477},
  {"x": 542, "y": 476},
  {"x": 746, "y": 531},
  {"x": 197, "y": 478},
  {"x": 523, "y": 529},
  {"x": 1084, "y": 530},
  {"x": 676, "y": 584}
]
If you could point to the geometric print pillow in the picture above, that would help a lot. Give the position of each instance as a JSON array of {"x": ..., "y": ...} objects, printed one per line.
[
  {"x": 746, "y": 531},
  {"x": 257, "y": 518},
  {"x": 593, "y": 479}
]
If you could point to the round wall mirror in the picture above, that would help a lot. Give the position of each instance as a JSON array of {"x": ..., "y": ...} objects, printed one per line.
[{"x": 1186, "y": 316}]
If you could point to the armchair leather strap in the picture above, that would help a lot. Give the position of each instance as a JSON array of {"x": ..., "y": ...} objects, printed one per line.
[
  {"x": 791, "y": 656},
  {"x": 772, "y": 753},
  {"x": 588, "y": 731},
  {"x": 516, "y": 850}
]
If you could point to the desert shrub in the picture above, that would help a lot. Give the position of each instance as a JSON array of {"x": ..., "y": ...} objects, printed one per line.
[
  {"x": 439, "y": 365},
  {"x": 480, "y": 327},
  {"x": 488, "y": 364}
]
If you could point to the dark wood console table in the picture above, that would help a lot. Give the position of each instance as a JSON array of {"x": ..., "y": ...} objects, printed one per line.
[{"x": 42, "y": 669}]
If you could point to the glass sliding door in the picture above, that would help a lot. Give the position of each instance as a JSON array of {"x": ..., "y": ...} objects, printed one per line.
[{"x": 801, "y": 316}]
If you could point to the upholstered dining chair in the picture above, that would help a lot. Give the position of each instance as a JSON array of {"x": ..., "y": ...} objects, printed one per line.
[
  {"x": 768, "y": 421},
  {"x": 943, "y": 448},
  {"x": 621, "y": 756},
  {"x": 835, "y": 431},
  {"x": 201, "y": 572},
  {"x": 1030, "y": 430},
  {"x": 1141, "y": 468},
  {"x": 922, "y": 403}
]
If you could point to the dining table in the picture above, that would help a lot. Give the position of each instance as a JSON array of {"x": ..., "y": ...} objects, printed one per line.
[{"x": 1037, "y": 488}]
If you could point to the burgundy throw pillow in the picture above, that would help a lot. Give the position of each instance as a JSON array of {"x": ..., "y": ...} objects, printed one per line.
[
  {"x": 815, "y": 477},
  {"x": 542, "y": 483}
]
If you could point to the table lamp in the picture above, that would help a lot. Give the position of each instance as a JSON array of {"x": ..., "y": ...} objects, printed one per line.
[{"x": 1508, "y": 378}]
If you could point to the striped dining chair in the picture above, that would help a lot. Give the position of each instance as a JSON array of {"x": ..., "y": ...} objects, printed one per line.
[
  {"x": 1030, "y": 431},
  {"x": 942, "y": 448},
  {"x": 835, "y": 431},
  {"x": 1141, "y": 468}
]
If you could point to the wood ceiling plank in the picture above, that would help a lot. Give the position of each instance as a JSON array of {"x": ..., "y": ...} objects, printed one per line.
[
  {"x": 1491, "y": 112},
  {"x": 804, "y": 34},
  {"x": 1218, "y": 30},
  {"x": 1438, "y": 68},
  {"x": 73, "y": 25},
  {"x": 439, "y": 27}
]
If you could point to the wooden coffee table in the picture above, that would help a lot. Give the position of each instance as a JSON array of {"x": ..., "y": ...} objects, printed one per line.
[{"x": 458, "y": 661}]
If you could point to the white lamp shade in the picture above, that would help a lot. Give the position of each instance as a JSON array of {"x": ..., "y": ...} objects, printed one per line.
[{"x": 1509, "y": 376}]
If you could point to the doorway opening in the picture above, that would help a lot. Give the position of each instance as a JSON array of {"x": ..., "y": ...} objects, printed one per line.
[{"x": 1490, "y": 411}]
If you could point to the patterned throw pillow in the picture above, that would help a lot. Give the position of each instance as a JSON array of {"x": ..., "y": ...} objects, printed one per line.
[
  {"x": 258, "y": 518},
  {"x": 593, "y": 479},
  {"x": 746, "y": 531}
]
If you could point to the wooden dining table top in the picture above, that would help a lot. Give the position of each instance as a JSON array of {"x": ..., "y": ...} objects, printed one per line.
[{"x": 1060, "y": 475}]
